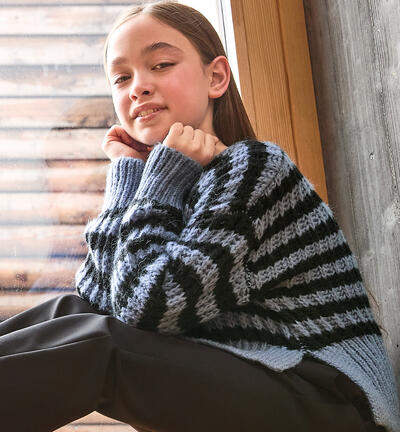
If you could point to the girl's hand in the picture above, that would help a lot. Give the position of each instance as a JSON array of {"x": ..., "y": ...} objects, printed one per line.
[
  {"x": 117, "y": 142},
  {"x": 194, "y": 143}
]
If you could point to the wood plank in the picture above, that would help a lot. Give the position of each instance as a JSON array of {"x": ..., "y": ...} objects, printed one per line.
[
  {"x": 72, "y": 49},
  {"x": 97, "y": 112},
  {"x": 96, "y": 417},
  {"x": 52, "y": 144},
  {"x": 35, "y": 273},
  {"x": 61, "y": 20},
  {"x": 246, "y": 83},
  {"x": 18, "y": 301},
  {"x": 276, "y": 80},
  {"x": 59, "y": 176},
  {"x": 53, "y": 80},
  {"x": 95, "y": 428},
  {"x": 42, "y": 240},
  {"x": 47, "y": 208},
  {"x": 264, "y": 51},
  {"x": 95, "y": 421},
  {"x": 304, "y": 117}
]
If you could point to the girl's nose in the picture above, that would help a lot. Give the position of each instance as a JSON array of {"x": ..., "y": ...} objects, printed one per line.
[{"x": 141, "y": 86}]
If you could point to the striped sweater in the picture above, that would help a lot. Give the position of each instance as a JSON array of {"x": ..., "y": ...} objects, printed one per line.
[{"x": 241, "y": 254}]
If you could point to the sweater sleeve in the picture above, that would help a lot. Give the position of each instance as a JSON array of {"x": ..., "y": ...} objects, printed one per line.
[
  {"x": 170, "y": 274},
  {"x": 92, "y": 279}
]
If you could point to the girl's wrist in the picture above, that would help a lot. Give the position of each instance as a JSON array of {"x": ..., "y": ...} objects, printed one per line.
[
  {"x": 168, "y": 176},
  {"x": 123, "y": 179}
]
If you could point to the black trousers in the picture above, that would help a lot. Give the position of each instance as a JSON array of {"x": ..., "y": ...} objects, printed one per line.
[{"x": 60, "y": 361}]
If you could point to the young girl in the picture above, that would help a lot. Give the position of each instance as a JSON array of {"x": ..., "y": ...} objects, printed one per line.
[{"x": 219, "y": 293}]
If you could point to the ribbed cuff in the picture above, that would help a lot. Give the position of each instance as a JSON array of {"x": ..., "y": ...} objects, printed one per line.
[
  {"x": 168, "y": 176},
  {"x": 123, "y": 179}
]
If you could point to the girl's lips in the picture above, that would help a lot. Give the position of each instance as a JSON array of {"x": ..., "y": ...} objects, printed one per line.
[{"x": 149, "y": 117}]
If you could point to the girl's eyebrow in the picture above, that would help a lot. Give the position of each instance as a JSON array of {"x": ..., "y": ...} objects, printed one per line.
[
  {"x": 147, "y": 50},
  {"x": 160, "y": 45}
]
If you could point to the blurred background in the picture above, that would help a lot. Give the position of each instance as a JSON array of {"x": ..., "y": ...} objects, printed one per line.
[{"x": 54, "y": 111}]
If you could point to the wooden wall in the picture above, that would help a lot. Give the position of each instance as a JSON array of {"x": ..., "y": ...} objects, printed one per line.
[
  {"x": 355, "y": 58},
  {"x": 55, "y": 109}
]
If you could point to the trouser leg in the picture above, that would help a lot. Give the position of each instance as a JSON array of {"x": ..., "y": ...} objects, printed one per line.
[
  {"x": 52, "y": 365},
  {"x": 175, "y": 385},
  {"x": 60, "y": 361},
  {"x": 57, "y": 307}
]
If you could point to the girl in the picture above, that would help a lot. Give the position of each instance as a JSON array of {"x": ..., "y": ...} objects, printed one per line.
[{"x": 218, "y": 293}]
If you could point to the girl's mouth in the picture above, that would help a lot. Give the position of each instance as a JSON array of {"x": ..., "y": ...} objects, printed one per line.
[{"x": 148, "y": 115}]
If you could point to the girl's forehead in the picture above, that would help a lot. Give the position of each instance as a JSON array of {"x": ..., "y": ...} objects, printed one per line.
[{"x": 143, "y": 30}]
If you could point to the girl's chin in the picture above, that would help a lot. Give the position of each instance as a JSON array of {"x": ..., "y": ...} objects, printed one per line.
[
  {"x": 144, "y": 141},
  {"x": 151, "y": 135}
]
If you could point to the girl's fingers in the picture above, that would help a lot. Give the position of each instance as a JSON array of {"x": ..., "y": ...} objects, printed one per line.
[
  {"x": 188, "y": 133},
  {"x": 195, "y": 143},
  {"x": 120, "y": 133},
  {"x": 117, "y": 149},
  {"x": 175, "y": 131},
  {"x": 198, "y": 138},
  {"x": 203, "y": 146},
  {"x": 125, "y": 138},
  {"x": 210, "y": 147},
  {"x": 117, "y": 142}
]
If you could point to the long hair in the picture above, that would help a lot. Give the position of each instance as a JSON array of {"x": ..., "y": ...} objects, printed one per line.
[{"x": 230, "y": 120}]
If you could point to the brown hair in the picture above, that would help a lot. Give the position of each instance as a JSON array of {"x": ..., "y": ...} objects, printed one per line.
[{"x": 230, "y": 120}]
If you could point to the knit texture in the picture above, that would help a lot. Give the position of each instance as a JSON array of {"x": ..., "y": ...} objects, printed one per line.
[{"x": 241, "y": 254}]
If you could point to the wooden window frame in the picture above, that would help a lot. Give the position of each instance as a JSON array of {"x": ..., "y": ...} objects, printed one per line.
[{"x": 276, "y": 80}]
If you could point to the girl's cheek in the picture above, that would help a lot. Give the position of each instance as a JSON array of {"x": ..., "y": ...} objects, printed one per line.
[
  {"x": 121, "y": 107},
  {"x": 117, "y": 99}
]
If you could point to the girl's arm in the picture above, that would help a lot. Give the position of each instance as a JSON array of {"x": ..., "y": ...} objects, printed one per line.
[
  {"x": 251, "y": 227},
  {"x": 127, "y": 162},
  {"x": 172, "y": 273},
  {"x": 102, "y": 234},
  {"x": 92, "y": 279}
]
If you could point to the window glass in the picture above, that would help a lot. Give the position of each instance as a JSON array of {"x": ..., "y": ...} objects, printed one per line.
[
  {"x": 55, "y": 110},
  {"x": 219, "y": 13}
]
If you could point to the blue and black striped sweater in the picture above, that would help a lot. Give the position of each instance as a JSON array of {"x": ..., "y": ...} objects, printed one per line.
[{"x": 241, "y": 254}]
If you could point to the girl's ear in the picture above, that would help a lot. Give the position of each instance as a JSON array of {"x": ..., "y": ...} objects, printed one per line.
[{"x": 220, "y": 75}]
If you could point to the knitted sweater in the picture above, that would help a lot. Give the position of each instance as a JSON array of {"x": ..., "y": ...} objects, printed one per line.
[{"x": 241, "y": 254}]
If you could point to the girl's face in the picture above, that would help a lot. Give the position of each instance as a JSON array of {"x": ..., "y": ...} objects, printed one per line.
[{"x": 160, "y": 80}]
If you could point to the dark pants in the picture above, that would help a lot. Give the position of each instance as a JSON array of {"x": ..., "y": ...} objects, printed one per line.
[{"x": 60, "y": 361}]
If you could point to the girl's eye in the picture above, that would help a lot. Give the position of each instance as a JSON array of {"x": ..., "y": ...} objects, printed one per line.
[
  {"x": 162, "y": 66},
  {"x": 118, "y": 80}
]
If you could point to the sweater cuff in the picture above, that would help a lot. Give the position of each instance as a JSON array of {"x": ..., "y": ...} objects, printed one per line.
[
  {"x": 123, "y": 179},
  {"x": 168, "y": 176}
]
